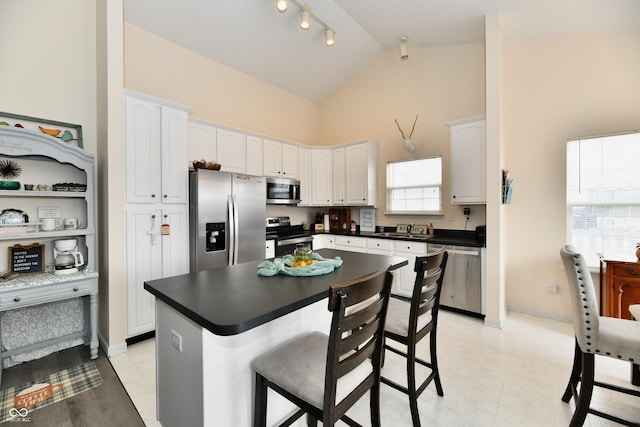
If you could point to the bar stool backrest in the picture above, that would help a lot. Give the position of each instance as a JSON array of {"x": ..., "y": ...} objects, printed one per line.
[
  {"x": 359, "y": 311},
  {"x": 584, "y": 304}
]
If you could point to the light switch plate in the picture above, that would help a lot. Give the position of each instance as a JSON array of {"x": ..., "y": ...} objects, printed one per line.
[{"x": 176, "y": 340}]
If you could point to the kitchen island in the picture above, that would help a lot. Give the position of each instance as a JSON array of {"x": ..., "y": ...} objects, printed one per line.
[{"x": 211, "y": 324}]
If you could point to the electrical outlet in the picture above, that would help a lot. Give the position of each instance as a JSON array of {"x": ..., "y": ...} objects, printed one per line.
[
  {"x": 552, "y": 288},
  {"x": 451, "y": 217},
  {"x": 176, "y": 340}
]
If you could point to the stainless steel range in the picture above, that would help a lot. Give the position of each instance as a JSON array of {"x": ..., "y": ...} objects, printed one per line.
[{"x": 286, "y": 236}]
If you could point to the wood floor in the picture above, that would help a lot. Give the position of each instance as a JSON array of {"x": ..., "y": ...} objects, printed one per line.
[{"x": 105, "y": 405}]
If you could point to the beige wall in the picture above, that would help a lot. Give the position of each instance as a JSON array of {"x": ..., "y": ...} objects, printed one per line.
[
  {"x": 48, "y": 62},
  {"x": 557, "y": 89},
  {"x": 440, "y": 84},
  {"x": 214, "y": 91}
]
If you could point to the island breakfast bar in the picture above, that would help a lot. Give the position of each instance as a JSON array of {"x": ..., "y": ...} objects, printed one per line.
[{"x": 211, "y": 324}]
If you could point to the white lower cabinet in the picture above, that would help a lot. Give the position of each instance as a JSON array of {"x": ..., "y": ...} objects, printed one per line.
[
  {"x": 404, "y": 277},
  {"x": 380, "y": 246},
  {"x": 270, "y": 248},
  {"x": 323, "y": 241},
  {"x": 351, "y": 243},
  {"x": 157, "y": 246}
]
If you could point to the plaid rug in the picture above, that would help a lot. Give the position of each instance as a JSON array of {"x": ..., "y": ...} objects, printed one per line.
[{"x": 16, "y": 403}]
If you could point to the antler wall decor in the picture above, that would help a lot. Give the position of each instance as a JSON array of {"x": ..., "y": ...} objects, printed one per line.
[{"x": 407, "y": 141}]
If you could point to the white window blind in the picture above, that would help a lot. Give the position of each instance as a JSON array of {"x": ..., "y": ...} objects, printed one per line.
[
  {"x": 603, "y": 196},
  {"x": 415, "y": 186}
]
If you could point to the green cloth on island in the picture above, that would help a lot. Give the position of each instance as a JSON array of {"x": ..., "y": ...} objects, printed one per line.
[{"x": 283, "y": 266}]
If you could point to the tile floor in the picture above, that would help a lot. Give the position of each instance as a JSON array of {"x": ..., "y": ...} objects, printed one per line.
[{"x": 513, "y": 376}]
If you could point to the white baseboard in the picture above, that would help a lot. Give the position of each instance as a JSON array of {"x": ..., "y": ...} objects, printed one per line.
[
  {"x": 546, "y": 314},
  {"x": 113, "y": 350}
]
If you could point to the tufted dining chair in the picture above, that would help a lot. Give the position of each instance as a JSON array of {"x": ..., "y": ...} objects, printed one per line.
[
  {"x": 594, "y": 335},
  {"x": 323, "y": 375}
]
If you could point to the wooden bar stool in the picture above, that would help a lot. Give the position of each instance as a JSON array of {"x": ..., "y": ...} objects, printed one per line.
[
  {"x": 410, "y": 320},
  {"x": 595, "y": 335},
  {"x": 323, "y": 375}
]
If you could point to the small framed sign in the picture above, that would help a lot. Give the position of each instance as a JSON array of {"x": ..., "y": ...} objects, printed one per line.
[{"x": 27, "y": 259}]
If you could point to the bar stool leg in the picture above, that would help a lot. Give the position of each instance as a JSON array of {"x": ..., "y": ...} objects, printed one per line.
[
  {"x": 586, "y": 390},
  {"x": 576, "y": 371},
  {"x": 260, "y": 402}
]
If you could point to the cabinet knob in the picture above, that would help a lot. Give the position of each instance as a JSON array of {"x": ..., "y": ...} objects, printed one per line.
[
  {"x": 75, "y": 289},
  {"x": 631, "y": 272},
  {"x": 153, "y": 195},
  {"x": 165, "y": 196},
  {"x": 153, "y": 216},
  {"x": 16, "y": 299}
]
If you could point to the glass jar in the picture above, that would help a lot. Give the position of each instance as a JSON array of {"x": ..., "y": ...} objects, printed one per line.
[{"x": 302, "y": 255}]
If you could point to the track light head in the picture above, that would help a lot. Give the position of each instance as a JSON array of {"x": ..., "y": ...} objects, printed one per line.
[
  {"x": 329, "y": 36},
  {"x": 281, "y": 5},
  {"x": 305, "y": 17},
  {"x": 404, "y": 52}
]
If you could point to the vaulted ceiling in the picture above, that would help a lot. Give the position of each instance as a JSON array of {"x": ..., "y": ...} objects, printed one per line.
[{"x": 251, "y": 36}]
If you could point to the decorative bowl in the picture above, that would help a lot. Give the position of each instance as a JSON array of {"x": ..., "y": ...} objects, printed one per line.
[
  {"x": 13, "y": 216},
  {"x": 9, "y": 185}
]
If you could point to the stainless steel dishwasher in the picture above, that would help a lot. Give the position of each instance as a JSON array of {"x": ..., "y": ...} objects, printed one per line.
[{"x": 462, "y": 286}]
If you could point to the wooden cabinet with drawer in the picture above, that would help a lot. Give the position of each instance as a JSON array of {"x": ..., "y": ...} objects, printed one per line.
[{"x": 622, "y": 288}]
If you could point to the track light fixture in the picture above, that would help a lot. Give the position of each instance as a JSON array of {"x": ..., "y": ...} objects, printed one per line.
[
  {"x": 404, "y": 53},
  {"x": 305, "y": 19},
  {"x": 329, "y": 36},
  {"x": 281, "y": 5}
]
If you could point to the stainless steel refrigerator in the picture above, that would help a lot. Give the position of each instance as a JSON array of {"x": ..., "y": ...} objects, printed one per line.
[{"x": 226, "y": 218}]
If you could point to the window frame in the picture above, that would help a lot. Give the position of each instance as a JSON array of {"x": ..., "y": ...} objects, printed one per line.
[
  {"x": 389, "y": 189},
  {"x": 595, "y": 229}
]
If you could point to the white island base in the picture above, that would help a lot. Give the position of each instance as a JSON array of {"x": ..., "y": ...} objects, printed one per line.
[{"x": 210, "y": 382}]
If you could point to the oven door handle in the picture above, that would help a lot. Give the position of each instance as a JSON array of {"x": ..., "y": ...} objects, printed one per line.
[{"x": 294, "y": 241}]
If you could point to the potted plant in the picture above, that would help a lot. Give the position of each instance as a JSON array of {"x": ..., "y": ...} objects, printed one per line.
[{"x": 9, "y": 169}]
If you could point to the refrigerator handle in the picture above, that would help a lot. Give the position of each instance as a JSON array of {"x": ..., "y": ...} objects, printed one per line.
[
  {"x": 236, "y": 232},
  {"x": 232, "y": 230}
]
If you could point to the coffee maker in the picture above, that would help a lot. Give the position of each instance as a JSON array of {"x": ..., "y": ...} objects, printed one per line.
[{"x": 66, "y": 258}]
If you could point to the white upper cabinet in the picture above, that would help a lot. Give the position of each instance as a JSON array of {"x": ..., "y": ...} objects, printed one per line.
[
  {"x": 339, "y": 183},
  {"x": 280, "y": 159},
  {"x": 202, "y": 142},
  {"x": 321, "y": 176},
  {"x": 232, "y": 151},
  {"x": 304, "y": 175},
  {"x": 355, "y": 174},
  {"x": 468, "y": 161},
  {"x": 361, "y": 165},
  {"x": 156, "y": 152},
  {"x": 255, "y": 156}
]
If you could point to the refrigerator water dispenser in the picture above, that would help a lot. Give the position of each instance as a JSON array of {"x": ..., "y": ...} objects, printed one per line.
[{"x": 215, "y": 236}]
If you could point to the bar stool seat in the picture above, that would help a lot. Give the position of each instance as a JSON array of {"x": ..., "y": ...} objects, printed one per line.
[
  {"x": 324, "y": 376},
  {"x": 305, "y": 357}
]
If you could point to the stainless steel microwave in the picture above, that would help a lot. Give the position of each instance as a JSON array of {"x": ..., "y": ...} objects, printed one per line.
[{"x": 283, "y": 191}]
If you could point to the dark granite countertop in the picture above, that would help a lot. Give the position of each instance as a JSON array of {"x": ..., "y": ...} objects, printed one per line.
[
  {"x": 231, "y": 300},
  {"x": 442, "y": 237}
]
